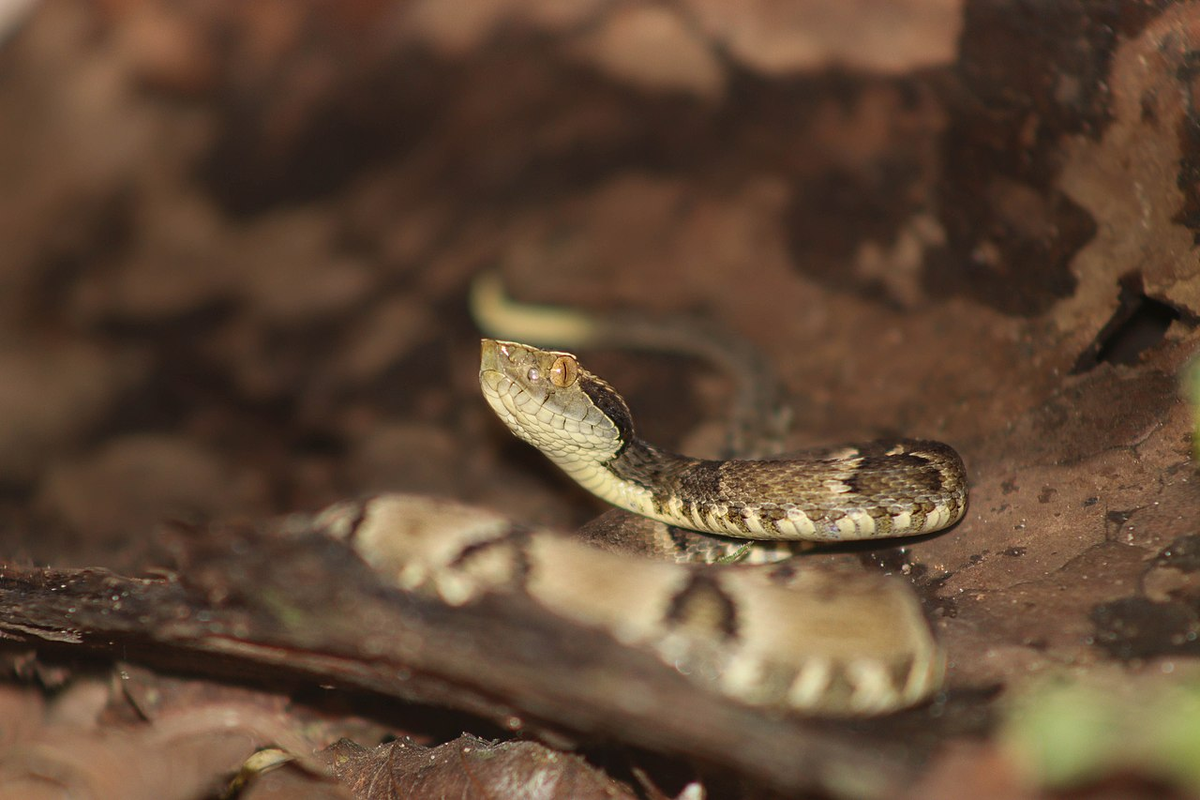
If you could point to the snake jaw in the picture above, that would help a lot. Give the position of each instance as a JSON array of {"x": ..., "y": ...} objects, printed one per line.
[{"x": 541, "y": 396}]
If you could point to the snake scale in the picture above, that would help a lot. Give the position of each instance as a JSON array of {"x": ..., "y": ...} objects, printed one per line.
[{"x": 777, "y": 637}]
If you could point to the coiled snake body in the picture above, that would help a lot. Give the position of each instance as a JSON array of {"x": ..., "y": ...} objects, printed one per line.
[
  {"x": 800, "y": 640},
  {"x": 881, "y": 489}
]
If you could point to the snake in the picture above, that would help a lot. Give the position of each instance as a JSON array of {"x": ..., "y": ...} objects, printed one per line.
[
  {"x": 879, "y": 489},
  {"x": 772, "y": 636}
]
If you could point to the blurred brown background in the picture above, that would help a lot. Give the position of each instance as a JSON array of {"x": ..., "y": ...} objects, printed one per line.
[{"x": 236, "y": 238}]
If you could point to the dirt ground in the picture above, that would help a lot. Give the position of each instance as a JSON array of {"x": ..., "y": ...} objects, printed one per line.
[{"x": 235, "y": 246}]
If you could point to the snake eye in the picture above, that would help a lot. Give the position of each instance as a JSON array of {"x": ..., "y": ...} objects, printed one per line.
[{"x": 564, "y": 372}]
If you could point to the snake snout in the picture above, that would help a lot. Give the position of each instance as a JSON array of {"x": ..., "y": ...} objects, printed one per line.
[{"x": 490, "y": 353}]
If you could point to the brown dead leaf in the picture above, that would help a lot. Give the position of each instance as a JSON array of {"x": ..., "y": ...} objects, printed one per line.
[{"x": 469, "y": 767}]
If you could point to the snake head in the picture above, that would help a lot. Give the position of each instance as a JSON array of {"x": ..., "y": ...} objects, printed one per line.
[{"x": 549, "y": 400}]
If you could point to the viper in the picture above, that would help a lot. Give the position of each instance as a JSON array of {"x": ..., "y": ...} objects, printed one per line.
[
  {"x": 781, "y": 638},
  {"x": 879, "y": 489}
]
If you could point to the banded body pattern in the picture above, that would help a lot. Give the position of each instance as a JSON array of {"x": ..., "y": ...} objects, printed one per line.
[{"x": 819, "y": 645}]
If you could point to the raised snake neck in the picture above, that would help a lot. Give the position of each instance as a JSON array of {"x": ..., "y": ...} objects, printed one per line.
[{"x": 881, "y": 489}]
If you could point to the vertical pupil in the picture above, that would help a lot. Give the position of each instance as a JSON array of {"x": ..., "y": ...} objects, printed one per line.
[{"x": 563, "y": 373}]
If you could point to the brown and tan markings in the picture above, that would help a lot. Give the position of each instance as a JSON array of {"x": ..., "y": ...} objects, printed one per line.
[{"x": 828, "y": 643}]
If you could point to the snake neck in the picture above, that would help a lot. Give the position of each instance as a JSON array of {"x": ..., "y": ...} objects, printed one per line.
[
  {"x": 645, "y": 465},
  {"x": 641, "y": 478}
]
